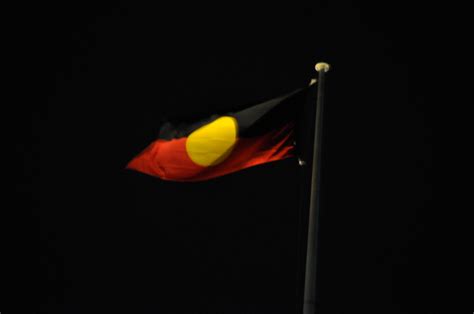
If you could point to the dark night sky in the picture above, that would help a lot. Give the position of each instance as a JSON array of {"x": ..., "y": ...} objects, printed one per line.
[{"x": 95, "y": 238}]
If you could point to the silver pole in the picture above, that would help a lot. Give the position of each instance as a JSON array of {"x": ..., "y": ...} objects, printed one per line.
[{"x": 309, "y": 305}]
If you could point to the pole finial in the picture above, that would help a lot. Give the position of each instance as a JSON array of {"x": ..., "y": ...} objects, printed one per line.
[{"x": 322, "y": 66}]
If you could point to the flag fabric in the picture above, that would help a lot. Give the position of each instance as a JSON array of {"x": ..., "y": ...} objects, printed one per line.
[{"x": 223, "y": 143}]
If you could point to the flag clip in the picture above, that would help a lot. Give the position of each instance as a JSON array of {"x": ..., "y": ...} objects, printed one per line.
[{"x": 301, "y": 162}]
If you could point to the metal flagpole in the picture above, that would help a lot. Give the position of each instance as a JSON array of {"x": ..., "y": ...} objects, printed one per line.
[{"x": 309, "y": 306}]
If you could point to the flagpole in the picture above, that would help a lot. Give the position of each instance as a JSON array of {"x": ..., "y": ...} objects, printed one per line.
[{"x": 309, "y": 305}]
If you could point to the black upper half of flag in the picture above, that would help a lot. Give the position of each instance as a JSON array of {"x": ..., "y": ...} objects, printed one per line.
[{"x": 253, "y": 119}]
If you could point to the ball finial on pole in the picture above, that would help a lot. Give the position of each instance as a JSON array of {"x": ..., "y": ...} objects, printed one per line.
[{"x": 322, "y": 66}]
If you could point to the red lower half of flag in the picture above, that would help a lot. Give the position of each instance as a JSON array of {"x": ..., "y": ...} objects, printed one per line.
[{"x": 170, "y": 160}]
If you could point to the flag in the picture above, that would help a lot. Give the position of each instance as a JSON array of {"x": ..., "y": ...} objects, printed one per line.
[{"x": 223, "y": 143}]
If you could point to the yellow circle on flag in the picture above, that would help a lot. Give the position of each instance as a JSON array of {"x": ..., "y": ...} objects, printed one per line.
[{"x": 212, "y": 143}]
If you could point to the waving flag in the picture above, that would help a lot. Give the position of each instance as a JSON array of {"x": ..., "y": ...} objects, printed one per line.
[{"x": 223, "y": 143}]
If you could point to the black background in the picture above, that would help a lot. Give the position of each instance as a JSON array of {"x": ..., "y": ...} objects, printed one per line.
[{"x": 90, "y": 237}]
